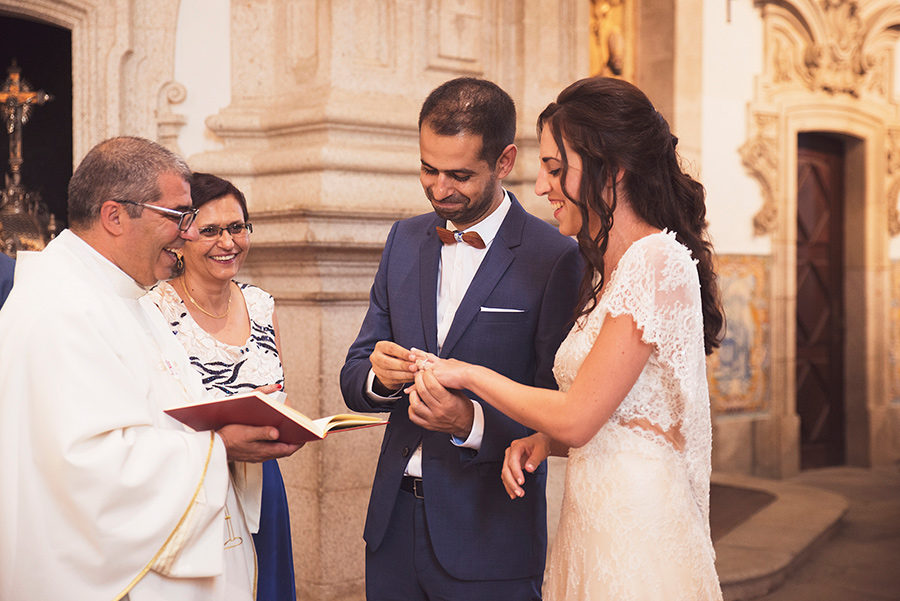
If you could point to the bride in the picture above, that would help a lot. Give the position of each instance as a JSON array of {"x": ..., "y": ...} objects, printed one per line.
[{"x": 632, "y": 409}]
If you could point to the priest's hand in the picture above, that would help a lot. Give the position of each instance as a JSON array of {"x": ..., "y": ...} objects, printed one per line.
[{"x": 254, "y": 444}]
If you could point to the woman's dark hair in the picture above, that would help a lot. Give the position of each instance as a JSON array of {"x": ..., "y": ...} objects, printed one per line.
[
  {"x": 612, "y": 125},
  {"x": 206, "y": 187}
]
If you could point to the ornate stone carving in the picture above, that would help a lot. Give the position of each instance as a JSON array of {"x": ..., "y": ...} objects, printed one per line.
[
  {"x": 760, "y": 156},
  {"x": 826, "y": 44},
  {"x": 839, "y": 63},
  {"x": 168, "y": 123},
  {"x": 843, "y": 48}
]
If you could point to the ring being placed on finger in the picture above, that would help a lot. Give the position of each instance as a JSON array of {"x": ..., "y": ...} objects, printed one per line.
[{"x": 423, "y": 364}]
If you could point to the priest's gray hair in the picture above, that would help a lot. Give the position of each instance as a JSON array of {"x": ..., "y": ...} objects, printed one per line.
[{"x": 123, "y": 168}]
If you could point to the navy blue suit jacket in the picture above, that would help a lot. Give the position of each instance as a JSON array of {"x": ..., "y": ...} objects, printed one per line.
[
  {"x": 7, "y": 268},
  {"x": 477, "y": 531}
]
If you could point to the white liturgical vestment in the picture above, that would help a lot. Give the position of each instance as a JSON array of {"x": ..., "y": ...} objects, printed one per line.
[{"x": 102, "y": 495}]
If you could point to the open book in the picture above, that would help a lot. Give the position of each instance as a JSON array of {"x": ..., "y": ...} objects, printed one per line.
[{"x": 258, "y": 409}]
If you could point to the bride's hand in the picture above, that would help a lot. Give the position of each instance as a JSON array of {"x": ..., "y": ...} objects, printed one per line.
[
  {"x": 449, "y": 372},
  {"x": 523, "y": 453},
  {"x": 423, "y": 359}
]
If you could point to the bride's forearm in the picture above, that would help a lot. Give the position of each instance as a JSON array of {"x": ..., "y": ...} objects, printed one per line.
[{"x": 540, "y": 409}]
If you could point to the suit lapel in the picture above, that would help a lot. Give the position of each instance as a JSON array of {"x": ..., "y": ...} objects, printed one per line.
[
  {"x": 492, "y": 268},
  {"x": 429, "y": 258}
]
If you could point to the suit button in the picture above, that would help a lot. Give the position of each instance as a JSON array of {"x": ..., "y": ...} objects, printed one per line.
[{"x": 405, "y": 452}]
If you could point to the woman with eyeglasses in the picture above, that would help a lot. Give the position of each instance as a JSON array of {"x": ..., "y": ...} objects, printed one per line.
[{"x": 231, "y": 335}]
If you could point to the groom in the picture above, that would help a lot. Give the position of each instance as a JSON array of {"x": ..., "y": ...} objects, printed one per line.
[{"x": 497, "y": 287}]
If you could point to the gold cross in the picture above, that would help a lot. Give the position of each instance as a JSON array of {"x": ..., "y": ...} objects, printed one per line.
[
  {"x": 13, "y": 93},
  {"x": 16, "y": 102}
]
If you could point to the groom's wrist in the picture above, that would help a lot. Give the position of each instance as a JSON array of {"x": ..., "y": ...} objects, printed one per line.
[{"x": 381, "y": 390}]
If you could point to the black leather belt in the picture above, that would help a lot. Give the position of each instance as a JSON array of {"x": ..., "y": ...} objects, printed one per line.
[{"x": 413, "y": 485}]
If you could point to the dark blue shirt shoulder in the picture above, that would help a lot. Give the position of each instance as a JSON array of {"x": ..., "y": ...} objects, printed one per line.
[{"x": 7, "y": 268}]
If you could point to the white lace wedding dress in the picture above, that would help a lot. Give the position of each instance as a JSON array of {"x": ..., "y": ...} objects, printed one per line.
[{"x": 635, "y": 514}]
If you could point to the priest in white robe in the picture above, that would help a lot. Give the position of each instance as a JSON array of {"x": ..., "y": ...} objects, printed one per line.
[{"x": 102, "y": 495}]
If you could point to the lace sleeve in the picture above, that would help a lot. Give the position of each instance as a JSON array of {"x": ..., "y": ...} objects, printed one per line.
[{"x": 656, "y": 283}]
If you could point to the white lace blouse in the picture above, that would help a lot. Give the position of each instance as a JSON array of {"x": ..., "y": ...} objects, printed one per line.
[{"x": 657, "y": 285}]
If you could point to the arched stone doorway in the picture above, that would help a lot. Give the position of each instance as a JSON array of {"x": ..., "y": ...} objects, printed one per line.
[
  {"x": 43, "y": 53},
  {"x": 827, "y": 69},
  {"x": 123, "y": 55}
]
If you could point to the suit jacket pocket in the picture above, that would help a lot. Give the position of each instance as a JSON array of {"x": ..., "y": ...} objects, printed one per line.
[{"x": 502, "y": 317}]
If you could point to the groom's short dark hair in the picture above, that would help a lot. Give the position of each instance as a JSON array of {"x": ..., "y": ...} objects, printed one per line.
[{"x": 467, "y": 105}]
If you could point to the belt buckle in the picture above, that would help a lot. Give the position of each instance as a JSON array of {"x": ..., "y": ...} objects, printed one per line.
[{"x": 418, "y": 489}]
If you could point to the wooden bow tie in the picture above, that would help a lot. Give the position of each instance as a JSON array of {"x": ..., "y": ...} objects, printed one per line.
[{"x": 470, "y": 238}]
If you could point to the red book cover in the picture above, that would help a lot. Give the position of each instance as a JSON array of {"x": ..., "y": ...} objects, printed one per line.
[{"x": 258, "y": 409}]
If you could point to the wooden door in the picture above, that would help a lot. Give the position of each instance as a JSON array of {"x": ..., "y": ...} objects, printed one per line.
[{"x": 820, "y": 296}]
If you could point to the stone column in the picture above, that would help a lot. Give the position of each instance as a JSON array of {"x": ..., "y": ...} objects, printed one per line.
[{"x": 321, "y": 135}]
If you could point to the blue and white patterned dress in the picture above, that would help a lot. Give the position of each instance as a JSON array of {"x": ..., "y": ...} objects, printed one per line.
[{"x": 227, "y": 369}]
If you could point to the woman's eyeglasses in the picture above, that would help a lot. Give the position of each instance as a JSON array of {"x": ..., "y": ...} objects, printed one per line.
[{"x": 236, "y": 230}]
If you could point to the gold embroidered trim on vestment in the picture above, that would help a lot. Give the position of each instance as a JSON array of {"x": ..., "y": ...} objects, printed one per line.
[{"x": 131, "y": 585}]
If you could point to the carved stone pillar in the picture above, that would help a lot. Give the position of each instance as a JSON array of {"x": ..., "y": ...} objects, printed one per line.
[{"x": 321, "y": 134}]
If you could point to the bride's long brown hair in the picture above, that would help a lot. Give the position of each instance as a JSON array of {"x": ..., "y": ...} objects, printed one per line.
[{"x": 612, "y": 125}]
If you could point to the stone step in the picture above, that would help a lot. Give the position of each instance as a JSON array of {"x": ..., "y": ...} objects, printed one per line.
[{"x": 757, "y": 555}]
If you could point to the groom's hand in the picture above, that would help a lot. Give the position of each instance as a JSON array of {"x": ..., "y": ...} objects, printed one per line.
[
  {"x": 433, "y": 407},
  {"x": 393, "y": 365}
]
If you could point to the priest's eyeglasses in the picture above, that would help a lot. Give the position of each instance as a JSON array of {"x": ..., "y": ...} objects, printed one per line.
[
  {"x": 237, "y": 230},
  {"x": 184, "y": 218}
]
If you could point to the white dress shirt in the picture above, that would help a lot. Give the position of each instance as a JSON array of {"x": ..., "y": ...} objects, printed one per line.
[{"x": 456, "y": 269}]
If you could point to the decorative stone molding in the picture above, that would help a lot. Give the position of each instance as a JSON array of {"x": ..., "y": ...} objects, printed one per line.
[
  {"x": 318, "y": 256},
  {"x": 835, "y": 46},
  {"x": 838, "y": 63},
  {"x": 168, "y": 123},
  {"x": 894, "y": 354},
  {"x": 760, "y": 155},
  {"x": 893, "y": 181},
  {"x": 835, "y": 53},
  {"x": 457, "y": 41}
]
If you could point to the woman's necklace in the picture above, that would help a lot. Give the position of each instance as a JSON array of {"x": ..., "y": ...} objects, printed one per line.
[{"x": 204, "y": 311}]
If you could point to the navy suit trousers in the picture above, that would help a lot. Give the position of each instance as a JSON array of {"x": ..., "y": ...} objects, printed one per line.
[{"x": 404, "y": 567}]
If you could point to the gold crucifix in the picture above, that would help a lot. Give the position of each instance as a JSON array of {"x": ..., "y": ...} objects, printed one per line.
[
  {"x": 16, "y": 99},
  {"x": 25, "y": 223}
]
